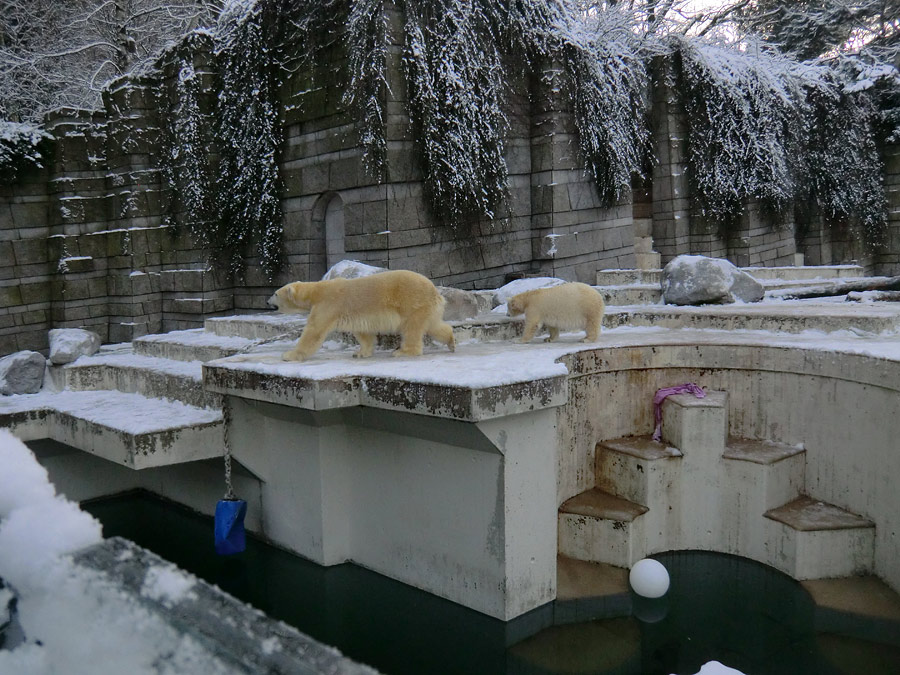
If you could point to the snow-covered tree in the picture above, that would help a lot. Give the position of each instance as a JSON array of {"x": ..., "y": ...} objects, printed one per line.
[{"x": 55, "y": 54}]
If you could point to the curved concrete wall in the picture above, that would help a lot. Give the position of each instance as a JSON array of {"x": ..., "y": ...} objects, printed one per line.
[{"x": 844, "y": 409}]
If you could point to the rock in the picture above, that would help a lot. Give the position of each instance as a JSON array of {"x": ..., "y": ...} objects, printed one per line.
[
  {"x": 504, "y": 293},
  {"x": 351, "y": 269},
  {"x": 67, "y": 344},
  {"x": 696, "y": 280},
  {"x": 22, "y": 373},
  {"x": 460, "y": 304}
]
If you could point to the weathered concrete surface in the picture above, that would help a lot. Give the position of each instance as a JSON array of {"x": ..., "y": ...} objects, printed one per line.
[{"x": 466, "y": 511}]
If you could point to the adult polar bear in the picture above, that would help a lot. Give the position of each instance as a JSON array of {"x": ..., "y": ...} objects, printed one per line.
[{"x": 387, "y": 302}]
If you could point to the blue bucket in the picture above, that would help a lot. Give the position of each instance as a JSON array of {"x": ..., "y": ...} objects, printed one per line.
[{"x": 229, "y": 526}]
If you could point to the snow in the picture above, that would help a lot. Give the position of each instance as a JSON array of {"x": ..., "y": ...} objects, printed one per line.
[
  {"x": 132, "y": 413},
  {"x": 716, "y": 668},
  {"x": 192, "y": 369},
  {"x": 166, "y": 584}
]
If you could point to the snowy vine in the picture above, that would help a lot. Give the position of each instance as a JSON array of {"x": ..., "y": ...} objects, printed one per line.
[
  {"x": 23, "y": 147},
  {"x": 747, "y": 119},
  {"x": 186, "y": 145},
  {"x": 250, "y": 138},
  {"x": 608, "y": 86},
  {"x": 843, "y": 176},
  {"x": 366, "y": 39},
  {"x": 456, "y": 89}
]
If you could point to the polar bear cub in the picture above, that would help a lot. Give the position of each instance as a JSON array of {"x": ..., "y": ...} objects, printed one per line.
[
  {"x": 571, "y": 306},
  {"x": 387, "y": 302}
]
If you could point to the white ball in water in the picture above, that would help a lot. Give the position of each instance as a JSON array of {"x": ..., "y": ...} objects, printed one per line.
[{"x": 649, "y": 578}]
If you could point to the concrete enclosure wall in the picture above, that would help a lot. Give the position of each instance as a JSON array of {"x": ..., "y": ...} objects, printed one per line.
[{"x": 840, "y": 407}]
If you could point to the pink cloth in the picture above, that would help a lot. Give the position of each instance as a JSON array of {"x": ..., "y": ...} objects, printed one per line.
[{"x": 663, "y": 394}]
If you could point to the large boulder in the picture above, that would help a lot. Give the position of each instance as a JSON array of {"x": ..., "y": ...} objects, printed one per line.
[
  {"x": 697, "y": 280},
  {"x": 22, "y": 373},
  {"x": 67, "y": 344},
  {"x": 351, "y": 269}
]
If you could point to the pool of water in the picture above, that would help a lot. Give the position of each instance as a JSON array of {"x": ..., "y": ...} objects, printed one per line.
[{"x": 719, "y": 607}]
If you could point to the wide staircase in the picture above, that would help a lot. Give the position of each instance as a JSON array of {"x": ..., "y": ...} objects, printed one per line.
[
  {"x": 142, "y": 404},
  {"x": 698, "y": 489}
]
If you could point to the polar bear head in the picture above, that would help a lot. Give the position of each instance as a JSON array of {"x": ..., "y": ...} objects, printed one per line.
[
  {"x": 292, "y": 298},
  {"x": 516, "y": 304}
]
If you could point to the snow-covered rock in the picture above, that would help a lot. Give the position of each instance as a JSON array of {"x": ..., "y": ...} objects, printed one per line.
[
  {"x": 696, "y": 279},
  {"x": 460, "y": 304},
  {"x": 504, "y": 293},
  {"x": 22, "y": 373},
  {"x": 67, "y": 344},
  {"x": 351, "y": 269}
]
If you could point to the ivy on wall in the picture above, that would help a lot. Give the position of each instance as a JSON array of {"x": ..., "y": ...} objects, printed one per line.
[
  {"x": 187, "y": 144},
  {"x": 23, "y": 147},
  {"x": 765, "y": 127}
]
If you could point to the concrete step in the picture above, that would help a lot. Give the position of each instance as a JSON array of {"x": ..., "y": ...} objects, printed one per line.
[
  {"x": 786, "y": 275},
  {"x": 197, "y": 344},
  {"x": 637, "y": 468},
  {"x": 805, "y": 272},
  {"x": 599, "y": 527},
  {"x": 488, "y": 327},
  {"x": 646, "y": 472},
  {"x": 256, "y": 326},
  {"x": 810, "y": 539},
  {"x": 633, "y": 294},
  {"x": 128, "y": 429},
  {"x": 148, "y": 376},
  {"x": 760, "y": 476},
  {"x": 775, "y": 470},
  {"x": 626, "y": 277},
  {"x": 781, "y": 317}
]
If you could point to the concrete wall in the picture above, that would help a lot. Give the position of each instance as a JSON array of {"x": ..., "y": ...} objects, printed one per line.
[
  {"x": 464, "y": 510},
  {"x": 841, "y": 407}
]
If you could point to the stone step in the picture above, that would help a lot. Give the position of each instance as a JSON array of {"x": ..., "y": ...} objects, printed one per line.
[
  {"x": 646, "y": 472},
  {"x": 196, "y": 344},
  {"x": 628, "y": 277},
  {"x": 633, "y": 294},
  {"x": 128, "y": 429},
  {"x": 810, "y": 539},
  {"x": 148, "y": 376},
  {"x": 256, "y": 326},
  {"x": 775, "y": 470},
  {"x": 782, "y": 317},
  {"x": 599, "y": 527},
  {"x": 488, "y": 327},
  {"x": 637, "y": 468},
  {"x": 806, "y": 272},
  {"x": 786, "y": 275}
]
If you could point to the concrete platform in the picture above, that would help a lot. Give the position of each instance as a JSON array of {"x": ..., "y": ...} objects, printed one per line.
[{"x": 127, "y": 429}]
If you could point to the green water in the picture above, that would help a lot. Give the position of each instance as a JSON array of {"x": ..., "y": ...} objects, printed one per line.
[{"x": 720, "y": 607}]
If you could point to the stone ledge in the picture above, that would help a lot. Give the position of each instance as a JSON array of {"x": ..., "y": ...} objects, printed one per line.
[{"x": 345, "y": 382}]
